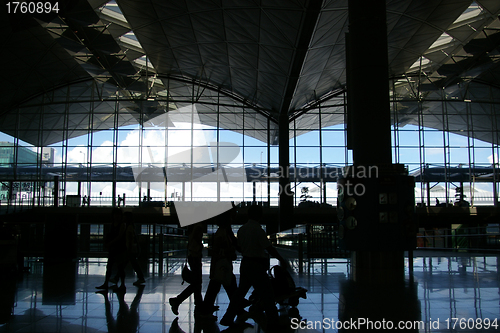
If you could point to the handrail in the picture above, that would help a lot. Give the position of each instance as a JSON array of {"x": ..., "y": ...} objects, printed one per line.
[{"x": 480, "y": 238}]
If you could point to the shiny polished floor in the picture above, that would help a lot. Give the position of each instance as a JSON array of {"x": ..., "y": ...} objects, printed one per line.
[{"x": 62, "y": 298}]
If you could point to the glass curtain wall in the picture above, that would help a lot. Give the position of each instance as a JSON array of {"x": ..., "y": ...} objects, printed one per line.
[{"x": 101, "y": 145}]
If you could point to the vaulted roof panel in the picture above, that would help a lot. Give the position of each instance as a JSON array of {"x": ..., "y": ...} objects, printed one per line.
[{"x": 247, "y": 52}]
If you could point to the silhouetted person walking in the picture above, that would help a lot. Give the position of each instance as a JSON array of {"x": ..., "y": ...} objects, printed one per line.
[
  {"x": 116, "y": 245},
  {"x": 224, "y": 248},
  {"x": 255, "y": 247},
  {"x": 133, "y": 249},
  {"x": 195, "y": 251}
]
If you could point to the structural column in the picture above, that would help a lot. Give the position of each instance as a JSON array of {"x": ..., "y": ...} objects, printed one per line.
[
  {"x": 379, "y": 215},
  {"x": 369, "y": 122},
  {"x": 376, "y": 197},
  {"x": 285, "y": 192}
]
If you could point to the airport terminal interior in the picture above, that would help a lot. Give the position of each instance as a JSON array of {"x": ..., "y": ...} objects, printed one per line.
[{"x": 366, "y": 131}]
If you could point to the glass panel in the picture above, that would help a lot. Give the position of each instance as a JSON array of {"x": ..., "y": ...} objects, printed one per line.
[
  {"x": 82, "y": 140},
  {"x": 78, "y": 154},
  {"x": 308, "y": 139},
  {"x": 308, "y": 192},
  {"x": 6, "y": 137},
  {"x": 103, "y": 138},
  {"x": 233, "y": 192},
  {"x": 202, "y": 137},
  {"x": 206, "y": 191},
  {"x": 333, "y": 155},
  {"x": 130, "y": 138},
  {"x": 408, "y": 138},
  {"x": 230, "y": 136},
  {"x": 481, "y": 143},
  {"x": 433, "y": 138},
  {"x": 248, "y": 192},
  {"x": 458, "y": 141},
  {"x": 434, "y": 155},
  {"x": 179, "y": 137},
  {"x": 102, "y": 154},
  {"x": 127, "y": 155},
  {"x": 307, "y": 155},
  {"x": 459, "y": 156},
  {"x": 274, "y": 152},
  {"x": 483, "y": 156},
  {"x": 409, "y": 155},
  {"x": 333, "y": 138},
  {"x": 102, "y": 193},
  {"x": 255, "y": 155},
  {"x": 249, "y": 141}
]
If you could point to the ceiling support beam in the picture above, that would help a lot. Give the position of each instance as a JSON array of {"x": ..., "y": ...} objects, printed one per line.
[{"x": 306, "y": 33}]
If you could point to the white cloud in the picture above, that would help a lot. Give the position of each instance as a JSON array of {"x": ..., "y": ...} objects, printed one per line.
[
  {"x": 493, "y": 160},
  {"x": 434, "y": 151}
]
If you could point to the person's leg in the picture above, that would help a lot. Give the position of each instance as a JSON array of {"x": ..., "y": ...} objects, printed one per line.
[
  {"x": 231, "y": 287},
  {"x": 185, "y": 294},
  {"x": 121, "y": 272},
  {"x": 109, "y": 269},
  {"x": 212, "y": 291},
  {"x": 137, "y": 268},
  {"x": 116, "y": 278},
  {"x": 236, "y": 302},
  {"x": 176, "y": 301},
  {"x": 193, "y": 288},
  {"x": 196, "y": 268}
]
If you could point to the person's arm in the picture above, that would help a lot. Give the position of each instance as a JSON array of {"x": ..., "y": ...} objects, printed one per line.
[
  {"x": 274, "y": 253},
  {"x": 234, "y": 240}
]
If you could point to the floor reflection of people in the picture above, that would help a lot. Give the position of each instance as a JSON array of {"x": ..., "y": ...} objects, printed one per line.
[
  {"x": 127, "y": 318},
  {"x": 200, "y": 325},
  {"x": 175, "y": 328}
]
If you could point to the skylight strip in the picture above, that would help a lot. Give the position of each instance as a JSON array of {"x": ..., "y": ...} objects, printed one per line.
[
  {"x": 142, "y": 62},
  {"x": 442, "y": 40},
  {"x": 419, "y": 63},
  {"x": 114, "y": 17},
  {"x": 131, "y": 44}
]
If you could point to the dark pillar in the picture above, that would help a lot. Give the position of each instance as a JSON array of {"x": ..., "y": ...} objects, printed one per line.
[
  {"x": 56, "y": 191},
  {"x": 495, "y": 193},
  {"x": 378, "y": 198},
  {"x": 285, "y": 194},
  {"x": 428, "y": 194},
  {"x": 10, "y": 195},
  {"x": 113, "y": 191},
  {"x": 368, "y": 83},
  {"x": 254, "y": 192}
]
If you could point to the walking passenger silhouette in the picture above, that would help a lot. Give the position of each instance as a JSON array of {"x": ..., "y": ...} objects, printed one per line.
[{"x": 195, "y": 252}]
